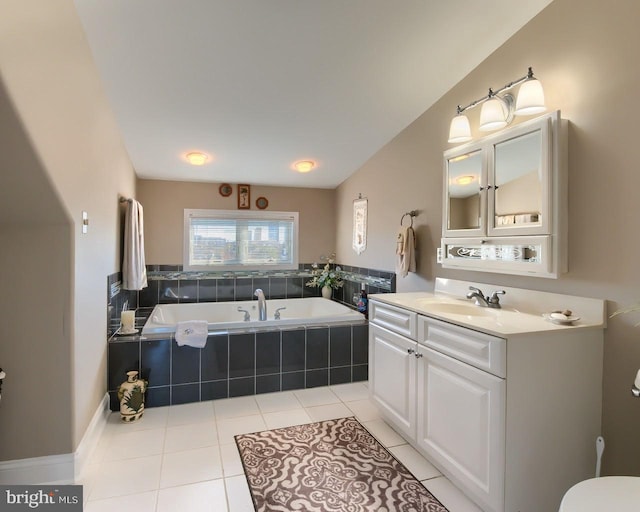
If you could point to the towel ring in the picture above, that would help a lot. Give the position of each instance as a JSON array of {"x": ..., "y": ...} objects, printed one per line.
[{"x": 411, "y": 215}]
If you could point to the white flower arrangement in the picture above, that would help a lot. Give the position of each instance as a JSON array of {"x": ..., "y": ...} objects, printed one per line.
[{"x": 327, "y": 276}]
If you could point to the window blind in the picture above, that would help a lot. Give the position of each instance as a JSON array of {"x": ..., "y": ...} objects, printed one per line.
[{"x": 229, "y": 240}]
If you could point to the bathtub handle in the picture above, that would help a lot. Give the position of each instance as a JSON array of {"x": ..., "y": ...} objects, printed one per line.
[
  {"x": 276, "y": 315},
  {"x": 247, "y": 317}
]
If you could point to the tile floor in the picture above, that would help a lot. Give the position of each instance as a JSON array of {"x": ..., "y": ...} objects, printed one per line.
[{"x": 184, "y": 457}]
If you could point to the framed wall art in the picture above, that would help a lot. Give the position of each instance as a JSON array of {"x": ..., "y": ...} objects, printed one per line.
[
  {"x": 360, "y": 225},
  {"x": 244, "y": 197}
]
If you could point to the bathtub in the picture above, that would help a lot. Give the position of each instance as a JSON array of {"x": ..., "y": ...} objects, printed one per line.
[{"x": 224, "y": 316}]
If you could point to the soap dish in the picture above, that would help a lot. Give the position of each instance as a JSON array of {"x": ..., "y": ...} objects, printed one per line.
[{"x": 560, "y": 321}]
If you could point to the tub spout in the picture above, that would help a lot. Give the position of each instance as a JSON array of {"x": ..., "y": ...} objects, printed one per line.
[{"x": 262, "y": 304}]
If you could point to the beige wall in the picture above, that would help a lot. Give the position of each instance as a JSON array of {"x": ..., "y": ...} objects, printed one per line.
[
  {"x": 464, "y": 212},
  {"x": 35, "y": 305},
  {"x": 54, "y": 86},
  {"x": 583, "y": 51},
  {"x": 521, "y": 195},
  {"x": 164, "y": 203},
  {"x": 37, "y": 408}
]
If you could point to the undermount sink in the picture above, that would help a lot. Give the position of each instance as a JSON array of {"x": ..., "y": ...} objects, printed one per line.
[{"x": 458, "y": 309}]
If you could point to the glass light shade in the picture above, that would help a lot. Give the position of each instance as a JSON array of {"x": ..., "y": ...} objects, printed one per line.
[
  {"x": 196, "y": 158},
  {"x": 530, "y": 98},
  {"x": 493, "y": 115},
  {"x": 304, "y": 165},
  {"x": 460, "y": 131},
  {"x": 465, "y": 180}
]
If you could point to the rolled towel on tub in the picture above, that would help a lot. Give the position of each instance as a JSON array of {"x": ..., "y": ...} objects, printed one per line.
[{"x": 192, "y": 333}]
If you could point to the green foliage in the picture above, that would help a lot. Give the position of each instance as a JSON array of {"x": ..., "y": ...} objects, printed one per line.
[
  {"x": 135, "y": 400},
  {"x": 327, "y": 276}
]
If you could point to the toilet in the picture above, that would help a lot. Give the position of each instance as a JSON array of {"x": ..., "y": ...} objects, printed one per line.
[{"x": 614, "y": 493}]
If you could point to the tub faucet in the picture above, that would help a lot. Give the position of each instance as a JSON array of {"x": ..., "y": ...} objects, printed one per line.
[
  {"x": 247, "y": 316},
  {"x": 262, "y": 304}
]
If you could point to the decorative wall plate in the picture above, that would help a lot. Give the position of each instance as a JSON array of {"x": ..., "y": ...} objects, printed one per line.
[
  {"x": 262, "y": 202},
  {"x": 225, "y": 190}
]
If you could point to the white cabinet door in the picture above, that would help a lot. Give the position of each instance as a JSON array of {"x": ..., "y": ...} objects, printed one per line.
[
  {"x": 461, "y": 425},
  {"x": 392, "y": 379}
]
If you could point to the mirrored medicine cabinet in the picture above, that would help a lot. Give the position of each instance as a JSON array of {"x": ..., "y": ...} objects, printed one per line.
[{"x": 505, "y": 201}]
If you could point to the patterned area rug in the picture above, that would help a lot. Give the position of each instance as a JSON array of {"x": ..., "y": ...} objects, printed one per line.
[{"x": 329, "y": 466}]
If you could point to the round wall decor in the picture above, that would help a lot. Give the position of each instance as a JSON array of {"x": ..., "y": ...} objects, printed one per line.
[
  {"x": 262, "y": 203},
  {"x": 225, "y": 190}
]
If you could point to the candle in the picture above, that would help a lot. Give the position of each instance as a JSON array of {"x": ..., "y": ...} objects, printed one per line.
[{"x": 127, "y": 321}]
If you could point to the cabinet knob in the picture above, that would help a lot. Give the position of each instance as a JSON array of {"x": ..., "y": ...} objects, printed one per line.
[
  {"x": 418, "y": 355},
  {"x": 410, "y": 351}
]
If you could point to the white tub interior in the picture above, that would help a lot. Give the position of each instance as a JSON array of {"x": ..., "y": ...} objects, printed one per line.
[{"x": 224, "y": 316}]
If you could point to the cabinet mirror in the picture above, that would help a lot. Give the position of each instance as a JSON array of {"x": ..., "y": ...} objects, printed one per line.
[
  {"x": 518, "y": 182},
  {"x": 464, "y": 177}
]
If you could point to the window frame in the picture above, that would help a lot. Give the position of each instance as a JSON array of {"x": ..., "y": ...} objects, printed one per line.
[{"x": 239, "y": 215}]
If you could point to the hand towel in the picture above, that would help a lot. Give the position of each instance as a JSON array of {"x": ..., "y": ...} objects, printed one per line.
[
  {"x": 134, "y": 271},
  {"x": 405, "y": 251},
  {"x": 192, "y": 333}
]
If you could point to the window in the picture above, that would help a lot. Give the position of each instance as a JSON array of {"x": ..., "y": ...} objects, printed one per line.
[{"x": 240, "y": 240}]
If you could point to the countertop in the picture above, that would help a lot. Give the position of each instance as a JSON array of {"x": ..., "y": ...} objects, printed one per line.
[{"x": 504, "y": 322}]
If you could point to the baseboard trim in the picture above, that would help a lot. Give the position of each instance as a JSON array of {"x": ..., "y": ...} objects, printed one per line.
[
  {"x": 51, "y": 469},
  {"x": 60, "y": 469},
  {"x": 91, "y": 437}
]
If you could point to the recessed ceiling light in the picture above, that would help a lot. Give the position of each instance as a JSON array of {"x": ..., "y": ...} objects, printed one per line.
[
  {"x": 304, "y": 165},
  {"x": 196, "y": 158}
]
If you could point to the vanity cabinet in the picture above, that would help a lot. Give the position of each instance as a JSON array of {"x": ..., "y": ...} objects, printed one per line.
[
  {"x": 392, "y": 362},
  {"x": 451, "y": 410},
  {"x": 461, "y": 409},
  {"x": 506, "y": 419},
  {"x": 504, "y": 204}
]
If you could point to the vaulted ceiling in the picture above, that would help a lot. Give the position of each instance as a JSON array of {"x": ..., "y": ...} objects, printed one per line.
[{"x": 259, "y": 84}]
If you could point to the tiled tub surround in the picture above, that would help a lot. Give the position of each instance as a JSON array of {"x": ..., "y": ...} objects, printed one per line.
[
  {"x": 238, "y": 364},
  {"x": 231, "y": 316},
  {"x": 169, "y": 284}
]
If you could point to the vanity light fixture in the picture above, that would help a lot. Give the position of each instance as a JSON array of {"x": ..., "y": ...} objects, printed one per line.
[
  {"x": 498, "y": 110},
  {"x": 196, "y": 158},
  {"x": 304, "y": 165}
]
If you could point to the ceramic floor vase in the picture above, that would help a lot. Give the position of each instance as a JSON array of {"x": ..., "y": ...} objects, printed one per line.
[{"x": 131, "y": 397}]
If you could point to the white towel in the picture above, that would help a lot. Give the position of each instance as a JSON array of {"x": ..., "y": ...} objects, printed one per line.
[
  {"x": 134, "y": 271},
  {"x": 405, "y": 251},
  {"x": 192, "y": 333}
]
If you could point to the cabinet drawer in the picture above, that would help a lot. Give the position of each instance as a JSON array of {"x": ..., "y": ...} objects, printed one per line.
[
  {"x": 395, "y": 319},
  {"x": 486, "y": 352}
]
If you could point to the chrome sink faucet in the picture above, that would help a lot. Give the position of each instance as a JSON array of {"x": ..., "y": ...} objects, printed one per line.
[
  {"x": 486, "y": 302},
  {"x": 262, "y": 304}
]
